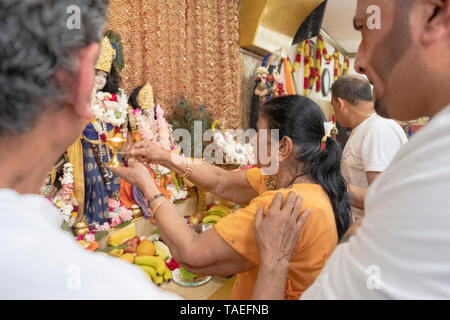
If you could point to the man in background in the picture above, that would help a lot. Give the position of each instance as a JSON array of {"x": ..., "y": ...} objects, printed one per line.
[
  {"x": 374, "y": 140},
  {"x": 400, "y": 251},
  {"x": 46, "y": 80}
]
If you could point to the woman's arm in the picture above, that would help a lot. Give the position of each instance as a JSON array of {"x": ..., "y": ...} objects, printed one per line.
[
  {"x": 204, "y": 253},
  {"x": 230, "y": 185}
]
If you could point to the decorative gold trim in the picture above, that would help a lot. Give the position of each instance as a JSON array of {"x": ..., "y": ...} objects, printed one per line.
[{"x": 106, "y": 57}]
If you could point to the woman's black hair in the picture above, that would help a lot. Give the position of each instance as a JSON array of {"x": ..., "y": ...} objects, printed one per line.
[
  {"x": 302, "y": 120},
  {"x": 113, "y": 81},
  {"x": 132, "y": 100}
]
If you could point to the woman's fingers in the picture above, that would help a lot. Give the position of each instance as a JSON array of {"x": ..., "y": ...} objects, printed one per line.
[
  {"x": 289, "y": 203},
  {"x": 138, "y": 151},
  {"x": 276, "y": 203},
  {"x": 297, "y": 207},
  {"x": 258, "y": 218}
]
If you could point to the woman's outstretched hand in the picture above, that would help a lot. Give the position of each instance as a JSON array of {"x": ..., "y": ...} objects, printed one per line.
[
  {"x": 136, "y": 173},
  {"x": 149, "y": 151},
  {"x": 278, "y": 231}
]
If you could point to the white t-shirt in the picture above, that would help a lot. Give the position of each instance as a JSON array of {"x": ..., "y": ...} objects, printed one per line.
[
  {"x": 41, "y": 261},
  {"x": 370, "y": 148},
  {"x": 402, "y": 249}
]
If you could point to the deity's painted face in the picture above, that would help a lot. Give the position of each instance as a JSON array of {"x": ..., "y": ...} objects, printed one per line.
[{"x": 100, "y": 79}]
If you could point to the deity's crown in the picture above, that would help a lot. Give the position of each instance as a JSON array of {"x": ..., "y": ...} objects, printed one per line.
[
  {"x": 145, "y": 97},
  {"x": 106, "y": 57}
]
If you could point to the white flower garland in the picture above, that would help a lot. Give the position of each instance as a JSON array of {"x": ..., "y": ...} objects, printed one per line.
[
  {"x": 234, "y": 151},
  {"x": 65, "y": 202},
  {"x": 116, "y": 118}
]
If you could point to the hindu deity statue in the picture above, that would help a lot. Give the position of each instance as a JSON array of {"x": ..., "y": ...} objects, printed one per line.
[
  {"x": 147, "y": 121},
  {"x": 268, "y": 84},
  {"x": 109, "y": 104}
]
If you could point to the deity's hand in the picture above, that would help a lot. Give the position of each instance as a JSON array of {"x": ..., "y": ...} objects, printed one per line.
[
  {"x": 149, "y": 151},
  {"x": 136, "y": 173}
]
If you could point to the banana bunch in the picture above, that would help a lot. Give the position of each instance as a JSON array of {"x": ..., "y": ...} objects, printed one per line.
[
  {"x": 215, "y": 214},
  {"x": 155, "y": 268}
]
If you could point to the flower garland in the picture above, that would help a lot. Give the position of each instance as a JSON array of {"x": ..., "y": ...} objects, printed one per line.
[
  {"x": 175, "y": 193},
  {"x": 346, "y": 67},
  {"x": 310, "y": 70},
  {"x": 298, "y": 57},
  {"x": 102, "y": 113},
  {"x": 234, "y": 151},
  {"x": 313, "y": 67},
  {"x": 321, "y": 51},
  {"x": 65, "y": 200},
  {"x": 337, "y": 65}
]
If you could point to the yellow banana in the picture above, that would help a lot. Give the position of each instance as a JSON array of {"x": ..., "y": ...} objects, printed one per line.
[
  {"x": 167, "y": 276},
  {"x": 211, "y": 219},
  {"x": 151, "y": 273},
  {"x": 216, "y": 213},
  {"x": 225, "y": 211},
  {"x": 159, "y": 280},
  {"x": 152, "y": 261}
]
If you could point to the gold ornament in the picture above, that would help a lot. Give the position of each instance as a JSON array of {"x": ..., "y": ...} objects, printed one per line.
[
  {"x": 80, "y": 228},
  {"x": 145, "y": 97},
  {"x": 270, "y": 184},
  {"x": 106, "y": 57},
  {"x": 334, "y": 131},
  {"x": 115, "y": 144},
  {"x": 136, "y": 211}
]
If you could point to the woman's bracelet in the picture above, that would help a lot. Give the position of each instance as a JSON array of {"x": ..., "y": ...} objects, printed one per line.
[
  {"x": 190, "y": 167},
  {"x": 159, "y": 195}
]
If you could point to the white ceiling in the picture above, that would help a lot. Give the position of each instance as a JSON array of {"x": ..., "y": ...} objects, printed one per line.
[{"x": 338, "y": 24}]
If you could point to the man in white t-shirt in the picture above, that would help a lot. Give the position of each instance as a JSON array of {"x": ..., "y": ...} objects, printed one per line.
[
  {"x": 46, "y": 80},
  {"x": 374, "y": 140},
  {"x": 401, "y": 249}
]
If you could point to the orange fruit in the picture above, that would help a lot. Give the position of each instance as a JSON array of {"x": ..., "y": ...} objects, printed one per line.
[{"x": 146, "y": 248}]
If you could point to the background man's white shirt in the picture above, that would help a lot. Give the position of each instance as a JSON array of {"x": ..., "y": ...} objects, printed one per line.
[
  {"x": 401, "y": 250},
  {"x": 370, "y": 148},
  {"x": 41, "y": 261}
]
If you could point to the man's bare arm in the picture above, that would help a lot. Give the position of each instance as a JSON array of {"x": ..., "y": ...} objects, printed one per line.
[{"x": 357, "y": 194}]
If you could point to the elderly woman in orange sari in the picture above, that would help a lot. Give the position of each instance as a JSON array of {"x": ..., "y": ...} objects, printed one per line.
[{"x": 308, "y": 165}]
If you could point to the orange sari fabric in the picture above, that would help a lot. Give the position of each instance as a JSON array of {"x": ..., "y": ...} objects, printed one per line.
[{"x": 316, "y": 243}]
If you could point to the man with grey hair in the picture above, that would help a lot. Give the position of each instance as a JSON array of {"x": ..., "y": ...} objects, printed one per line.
[
  {"x": 374, "y": 140},
  {"x": 400, "y": 251},
  {"x": 46, "y": 81}
]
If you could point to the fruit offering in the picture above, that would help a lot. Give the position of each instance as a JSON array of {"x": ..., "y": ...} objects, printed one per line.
[
  {"x": 155, "y": 268},
  {"x": 132, "y": 244},
  {"x": 121, "y": 235},
  {"x": 150, "y": 256},
  {"x": 146, "y": 248},
  {"x": 215, "y": 214}
]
